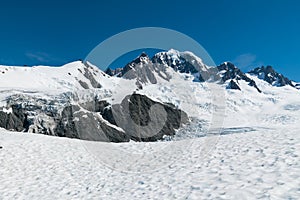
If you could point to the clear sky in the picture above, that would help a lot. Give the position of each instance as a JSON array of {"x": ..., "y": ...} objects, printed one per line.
[{"x": 248, "y": 33}]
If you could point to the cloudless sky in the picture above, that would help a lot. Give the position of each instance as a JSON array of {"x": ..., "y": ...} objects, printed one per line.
[{"x": 248, "y": 33}]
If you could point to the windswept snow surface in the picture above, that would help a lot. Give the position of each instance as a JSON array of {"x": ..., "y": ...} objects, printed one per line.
[{"x": 263, "y": 164}]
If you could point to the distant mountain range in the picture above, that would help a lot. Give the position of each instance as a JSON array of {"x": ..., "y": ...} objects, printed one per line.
[
  {"x": 78, "y": 100},
  {"x": 143, "y": 68}
]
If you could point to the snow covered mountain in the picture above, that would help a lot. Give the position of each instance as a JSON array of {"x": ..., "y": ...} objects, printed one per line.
[
  {"x": 231, "y": 73},
  {"x": 145, "y": 69},
  {"x": 252, "y": 125},
  {"x": 251, "y": 152},
  {"x": 142, "y": 69},
  {"x": 269, "y": 75},
  {"x": 78, "y": 100},
  {"x": 183, "y": 62}
]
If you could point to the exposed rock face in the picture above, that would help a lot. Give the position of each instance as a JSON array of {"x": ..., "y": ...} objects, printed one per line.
[
  {"x": 114, "y": 72},
  {"x": 84, "y": 84},
  {"x": 88, "y": 74},
  {"x": 15, "y": 121},
  {"x": 177, "y": 62},
  {"x": 142, "y": 69},
  {"x": 146, "y": 120},
  {"x": 229, "y": 71},
  {"x": 233, "y": 85},
  {"x": 269, "y": 75},
  {"x": 88, "y": 126},
  {"x": 136, "y": 118},
  {"x": 186, "y": 62}
]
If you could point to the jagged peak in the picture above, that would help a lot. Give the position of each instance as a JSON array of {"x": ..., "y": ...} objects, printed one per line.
[
  {"x": 142, "y": 58},
  {"x": 268, "y": 69},
  {"x": 176, "y": 55},
  {"x": 228, "y": 63},
  {"x": 143, "y": 54},
  {"x": 171, "y": 56},
  {"x": 228, "y": 66},
  {"x": 233, "y": 84},
  {"x": 228, "y": 71},
  {"x": 271, "y": 76}
]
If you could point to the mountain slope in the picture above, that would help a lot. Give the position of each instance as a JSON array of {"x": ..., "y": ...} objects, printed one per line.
[
  {"x": 269, "y": 75},
  {"x": 228, "y": 71},
  {"x": 77, "y": 99},
  {"x": 69, "y": 100},
  {"x": 145, "y": 70},
  {"x": 142, "y": 69}
]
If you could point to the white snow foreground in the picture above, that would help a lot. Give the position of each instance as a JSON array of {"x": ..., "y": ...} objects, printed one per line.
[{"x": 258, "y": 165}]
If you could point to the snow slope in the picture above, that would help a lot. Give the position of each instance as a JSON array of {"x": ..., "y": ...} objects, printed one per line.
[
  {"x": 262, "y": 164},
  {"x": 46, "y": 82},
  {"x": 40, "y": 77}
]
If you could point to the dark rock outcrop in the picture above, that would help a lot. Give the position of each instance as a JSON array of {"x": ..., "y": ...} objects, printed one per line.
[
  {"x": 88, "y": 74},
  {"x": 114, "y": 72},
  {"x": 137, "y": 118},
  {"x": 83, "y": 84},
  {"x": 146, "y": 120},
  {"x": 180, "y": 64},
  {"x": 229, "y": 71},
  {"x": 186, "y": 62},
  {"x": 87, "y": 126},
  {"x": 233, "y": 85},
  {"x": 269, "y": 75},
  {"x": 15, "y": 121},
  {"x": 142, "y": 69}
]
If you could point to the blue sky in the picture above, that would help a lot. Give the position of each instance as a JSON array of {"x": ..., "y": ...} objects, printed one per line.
[{"x": 248, "y": 33}]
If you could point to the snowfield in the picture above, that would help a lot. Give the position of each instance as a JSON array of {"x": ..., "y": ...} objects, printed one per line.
[
  {"x": 239, "y": 145},
  {"x": 262, "y": 164}
]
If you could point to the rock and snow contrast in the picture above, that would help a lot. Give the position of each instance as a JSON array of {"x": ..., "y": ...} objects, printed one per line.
[{"x": 150, "y": 130}]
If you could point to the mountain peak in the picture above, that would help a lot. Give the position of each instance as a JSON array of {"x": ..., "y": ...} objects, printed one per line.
[
  {"x": 142, "y": 58},
  {"x": 269, "y": 75},
  {"x": 269, "y": 69},
  {"x": 183, "y": 62},
  {"x": 227, "y": 65},
  {"x": 228, "y": 71},
  {"x": 143, "y": 54}
]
